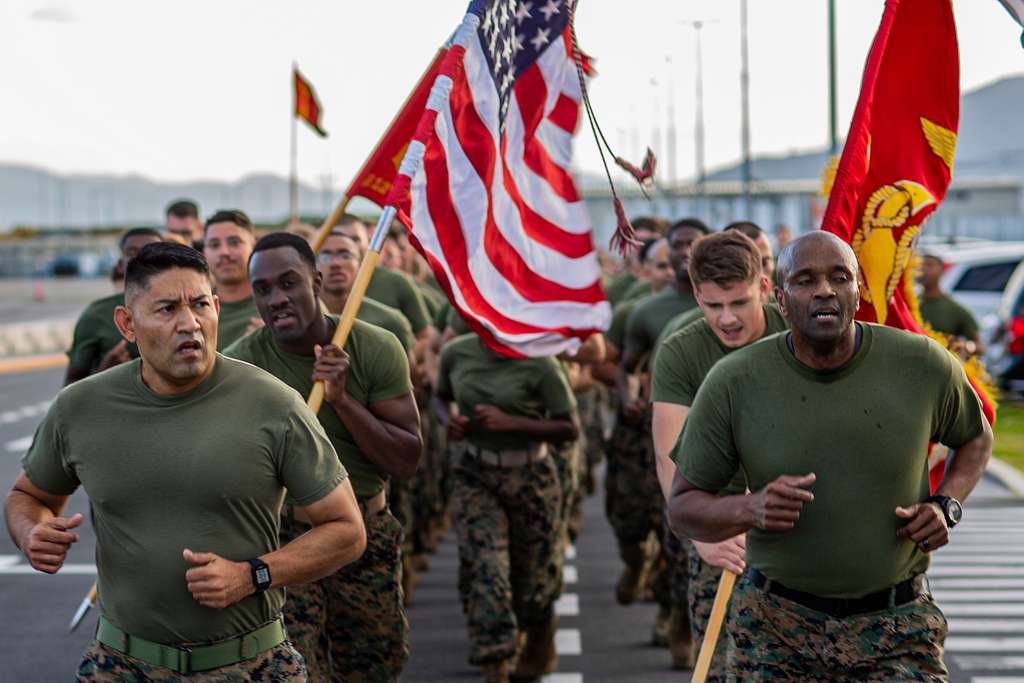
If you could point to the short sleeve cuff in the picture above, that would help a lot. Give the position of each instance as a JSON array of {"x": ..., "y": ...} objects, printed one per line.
[{"x": 320, "y": 493}]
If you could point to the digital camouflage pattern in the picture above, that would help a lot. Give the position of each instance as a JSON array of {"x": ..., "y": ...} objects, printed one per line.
[
  {"x": 590, "y": 405},
  {"x": 102, "y": 664},
  {"x": 506, "y": 520},
  {"x": 633, "y": 499},
  {"x": 702, "y": 586},
  {"x": 569, "y": 461},
  {"x": 773, "y": 639},
  {"x": 351, "y": 626},
  {"x": 676, "y": 552}
]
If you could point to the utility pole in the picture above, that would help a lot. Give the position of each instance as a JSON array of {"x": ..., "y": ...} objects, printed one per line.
[
  {"x": 745, "y": 98},
  {"x": 698, "y": 126},
  {"x": 833, "y": 126},
  {"x": 670, "y": 133}
]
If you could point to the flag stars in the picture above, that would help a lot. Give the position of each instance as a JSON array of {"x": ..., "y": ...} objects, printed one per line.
[
  {"x": 541, "y": 39},
  {"x": 523, "y": 13},
  {"x": 549, "y": 10},
  {"x": 517, "y": 41}
]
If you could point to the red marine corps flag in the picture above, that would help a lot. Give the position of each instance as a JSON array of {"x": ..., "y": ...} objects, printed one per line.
[
  {"x": 485, "y": 187},
  {"x": 307, "y": 106},
  {"x": 898, "y": 158}
]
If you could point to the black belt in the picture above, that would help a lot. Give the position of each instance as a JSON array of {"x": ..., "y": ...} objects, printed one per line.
[{"x": 900, "y": 594}]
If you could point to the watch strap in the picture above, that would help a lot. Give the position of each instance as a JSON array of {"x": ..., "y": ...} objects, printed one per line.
[
  {"x": 260, "y": 574},
  {"x": 943, "y": 503}
]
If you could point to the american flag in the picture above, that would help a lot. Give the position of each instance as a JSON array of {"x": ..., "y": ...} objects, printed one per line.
[
  {"x": 485, "y": 186},
  {"x": 1016, "y": 10}
]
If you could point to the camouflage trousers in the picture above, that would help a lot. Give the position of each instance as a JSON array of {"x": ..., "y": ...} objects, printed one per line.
[
  {"x": 676, "y": 552},
  {"x": 428, "y": 499},
  {"x": 506, "y": 520},
  {"x": 351, "y": 626},
  {"x": 102, "y": 664},
  {"x": 590, "y": 406},
  {"x": 703, "y": 579},
  {"x": 774, "y": 639},
  {"x": 633, "y": 498},
  {"x": 569, "y": 461}
]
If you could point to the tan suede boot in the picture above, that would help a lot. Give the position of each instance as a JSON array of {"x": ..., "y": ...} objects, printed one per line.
[
  {"x": 495, "y": 672},
  {"x": 680, "y": 639},
  {"x": 538, "y": 656},
  {"x": 627, "y": 590}
]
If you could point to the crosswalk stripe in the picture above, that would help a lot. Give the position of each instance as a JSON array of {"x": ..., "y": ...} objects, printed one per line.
[
  {"x": 979, "y": 558},
  {"x": 964, "y": 625},
  {"x": 568, "y": 605},
  {"x": 568, "y": 641},
  {"x": 967, "y": 570},
  {"x": 569, "y": 574},
  {"x": 997, "y": 679},
  {"x": 937, "y": 583},
  {"x": 66, "y": 569},
  {"x": 562, "y": 678},
  {"x": 570, "y": 552},
  {"x": 988, "y": 662},
  {"x": 19, "y": 445},
  {"x": 977, "y": 595},
  {"x": 960, "y": 549},
  {"x": 8, "y": 560},
  {"x": 983, "y": 644},
  {"x": 957, "y": 609}
]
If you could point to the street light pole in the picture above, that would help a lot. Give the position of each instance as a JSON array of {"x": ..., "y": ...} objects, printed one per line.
[
  {"x": 698, "y": 126},
  {"x": 833, "y": 125},
  {"x": 745, "y": 98}
]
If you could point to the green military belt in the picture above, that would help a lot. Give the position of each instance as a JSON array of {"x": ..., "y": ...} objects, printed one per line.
[{"x": 190, "y": 659}]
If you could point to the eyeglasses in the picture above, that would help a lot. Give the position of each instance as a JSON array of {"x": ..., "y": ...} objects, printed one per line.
[{"x": 328, "y": 256}]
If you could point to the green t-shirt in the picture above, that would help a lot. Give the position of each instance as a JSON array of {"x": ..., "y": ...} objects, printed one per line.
[
  {"x": 685, "y": 358},
  {"x": 398, "y": 290},
  {"x": 650, "y": 316},
  {"x": 447, "y": 316},
  {"x": 234, "y": 320},
  {"x": 471, "y": 374},
  {"x": 863, "y": 429},
  {"x": 615, "y": 286},
  {"x": 638, "y": 290},
  {"x": 617, "y": 329},
  {"x": 165, "y": 473},
  {"x": 391, "y": 319},
  {"x": 96, "y": 334},
  {"x": 945, "y": 315},
  {"x": 433, "y": 298},
  {"x": 379, "y": 371}
]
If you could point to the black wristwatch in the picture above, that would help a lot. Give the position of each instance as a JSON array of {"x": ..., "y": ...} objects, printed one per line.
[
  {"x": 260, "y": 575},
  {"x": 951, "y": 508}
]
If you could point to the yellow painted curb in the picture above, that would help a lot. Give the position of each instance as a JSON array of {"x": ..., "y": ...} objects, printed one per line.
[{"x": 9, "y": 366}]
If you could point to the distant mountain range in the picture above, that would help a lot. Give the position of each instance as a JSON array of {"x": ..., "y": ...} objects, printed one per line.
[{"x": 991, "y": 144}]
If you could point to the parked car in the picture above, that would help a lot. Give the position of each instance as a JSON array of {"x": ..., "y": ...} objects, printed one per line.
[
  {"x": 1006, "y": 353},
  {"x": 977, "y": 274}
]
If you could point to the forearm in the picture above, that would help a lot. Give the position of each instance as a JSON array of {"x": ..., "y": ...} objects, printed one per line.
[
  {"x": 966, "y": 467},
  {"x": 704, "y": 516},
  {"x": 22, "y": 513},
  {"x": 319, "y": 552},
  {"x": 390, "y": 447},
  {"x": 666, "y": 426}
]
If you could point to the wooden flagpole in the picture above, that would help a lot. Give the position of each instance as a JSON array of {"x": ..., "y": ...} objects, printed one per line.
[{"x": 707, "y": 648}]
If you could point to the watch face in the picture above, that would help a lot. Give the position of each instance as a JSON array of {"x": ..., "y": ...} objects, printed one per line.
[
  {"x": 262, "y": 575},
  {"x": 954, "y": 510}
]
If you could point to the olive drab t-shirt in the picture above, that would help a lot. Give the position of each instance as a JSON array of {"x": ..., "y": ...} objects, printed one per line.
[
  {"x": 617, "y": 329},
  {"x": 945, "y": 315},
  {"x": 391, "y": 319},
  {"x": 379, "y": 371},
  {"x": 96, "y": 334},
  {"x": 206, "y": 470},
  {"x": 863, "y": 429},
  {"x": 398, "y": 290},
  {"x": 447, "y": 316},
  {"x": 638, "y": 290},
  {"x": 650, "y": 316},
  {"x": 615, "y": 286},
  {"x": 685, "y": 358},
  {"x": 234, "y": 320},
  {"x": 471, "y": 374}
]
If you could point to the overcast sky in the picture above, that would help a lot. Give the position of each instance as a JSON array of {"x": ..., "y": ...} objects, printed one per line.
[{"x": 201, "y": 89}]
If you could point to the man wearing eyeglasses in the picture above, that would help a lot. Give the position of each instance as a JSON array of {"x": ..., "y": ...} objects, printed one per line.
[{"x": 227, "y": 243}]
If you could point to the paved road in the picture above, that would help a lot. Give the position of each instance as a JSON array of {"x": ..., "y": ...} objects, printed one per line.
[{"x": 978, "y": 580}]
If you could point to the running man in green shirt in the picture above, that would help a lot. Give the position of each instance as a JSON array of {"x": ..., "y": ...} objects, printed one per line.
[
  {"x": 227, "y": 243},
  {"x": 731, "y": 285},
  {"x": 830, "y": 423},
  {"x": 370, "y": 416},
  {"x": 185, "y": 502},
  {"x": 97, "y": 344}
]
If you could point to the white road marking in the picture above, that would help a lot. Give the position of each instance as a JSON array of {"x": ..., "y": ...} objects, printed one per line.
[
  {"x": 983, "y": 610},
  {"x": 9, "y": 416},
  {"x": 8, "y": 560},
  {"x": 980, "y": 558},
  {"x": 966, "y": 570},
  {"x": 569, "y": 574},
  {"x": 997, "y": 679},
  {"x": 562, "y": 678},
  {"x": 937, "y": 584},
  {"x": 570, "y": 552},
  {"x": 19, "y": 445},
  {"x": 988, "y": 662},
  {"x": 961, "y": 625},
  {"x": 983, "y": 644},
  {"x": 568, "y": 641},
  {"x": 960, "y": 549},
  {"x": 977, "y": 596},
  {"x": 568, "y": 605}
]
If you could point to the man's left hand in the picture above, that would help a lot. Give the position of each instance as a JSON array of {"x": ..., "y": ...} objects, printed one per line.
[
  {"x": 494, "y": 419},
  {"x": 331, "y": 366},
  {"x": 926, "y": 526},
  {"x": 216, "y": 582}
]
